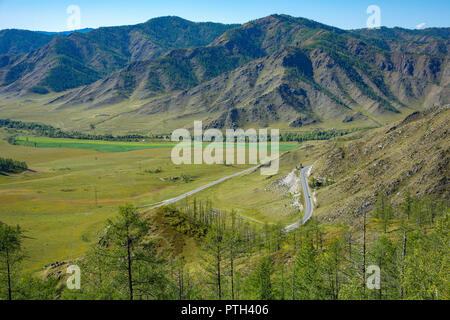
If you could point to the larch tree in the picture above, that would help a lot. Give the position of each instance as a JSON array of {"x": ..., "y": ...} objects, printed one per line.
[
  {"x": 11, "y": 255},
  {"x": 260, "y": 280}
]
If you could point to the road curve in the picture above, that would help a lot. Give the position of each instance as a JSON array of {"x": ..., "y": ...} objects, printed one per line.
[
  {"x": 305, "y": 187},
  {"x": 190, "y": 193},
  {"x": 308, "y": 201}
]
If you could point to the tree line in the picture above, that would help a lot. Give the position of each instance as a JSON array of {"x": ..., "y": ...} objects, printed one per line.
[
  {"x": 52, "y": 132},
  {"x": 316, "y": 134},
  {"x": 12, "y": 166},
  {"x": 407, "y": 243}
]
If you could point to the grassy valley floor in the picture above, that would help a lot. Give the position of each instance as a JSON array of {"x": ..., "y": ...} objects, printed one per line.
[{"x": 74, "y": 186}]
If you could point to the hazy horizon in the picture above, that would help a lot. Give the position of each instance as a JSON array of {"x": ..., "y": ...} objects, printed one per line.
[{"x": 111, "y": 26}]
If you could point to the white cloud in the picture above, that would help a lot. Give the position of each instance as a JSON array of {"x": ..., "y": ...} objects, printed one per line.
[{"x": 421, "y": 25}]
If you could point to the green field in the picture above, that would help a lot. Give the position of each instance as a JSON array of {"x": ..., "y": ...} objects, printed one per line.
[
  {"x": 73, "y": 186},
  {"x": 112, "y": 146},
  {"x": 104, "y": 146}
]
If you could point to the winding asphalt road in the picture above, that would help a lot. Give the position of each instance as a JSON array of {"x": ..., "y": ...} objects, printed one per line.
[
  {"x": 308, "y": 201},
  {"x": 305, "y": 187}
]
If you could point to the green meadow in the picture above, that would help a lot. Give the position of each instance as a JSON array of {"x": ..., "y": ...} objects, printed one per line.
[
  {"x": 105, "y": 146},
  {"x": 74, "y": 186},
  {"x": 113, "y": 146}
]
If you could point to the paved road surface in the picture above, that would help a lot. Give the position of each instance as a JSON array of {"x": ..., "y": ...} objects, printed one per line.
[
  {"x": 308, "y": 201},
  {"x": 190, "y": 193}
]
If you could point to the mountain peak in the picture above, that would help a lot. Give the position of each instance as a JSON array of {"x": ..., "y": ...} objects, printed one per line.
[{"x": 169, "y": 19}]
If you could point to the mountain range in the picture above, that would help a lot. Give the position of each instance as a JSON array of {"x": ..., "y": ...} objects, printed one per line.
[{"x": 278, "y": 69}]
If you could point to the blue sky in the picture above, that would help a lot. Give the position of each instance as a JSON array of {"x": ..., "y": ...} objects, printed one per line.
[{"x": 51, "y": 15}]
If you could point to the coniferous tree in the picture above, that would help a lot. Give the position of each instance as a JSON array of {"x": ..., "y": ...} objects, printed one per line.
[
  {"x": 406, "y": 208},
  {"x": 383, "y": 255},
  {"x": 332, "y": 266},
  {"x": 427, "y": 263},
  {"x": 11, "y": 255},
  {"x": 260, "y": 280},
  {"x": 383, "y": 212},
  {"x": 308, "y": 278},
  {"x": 134, "y": 270},
  {"x": 232, "y": 241},
  {"x": 215, "y": 247}
]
